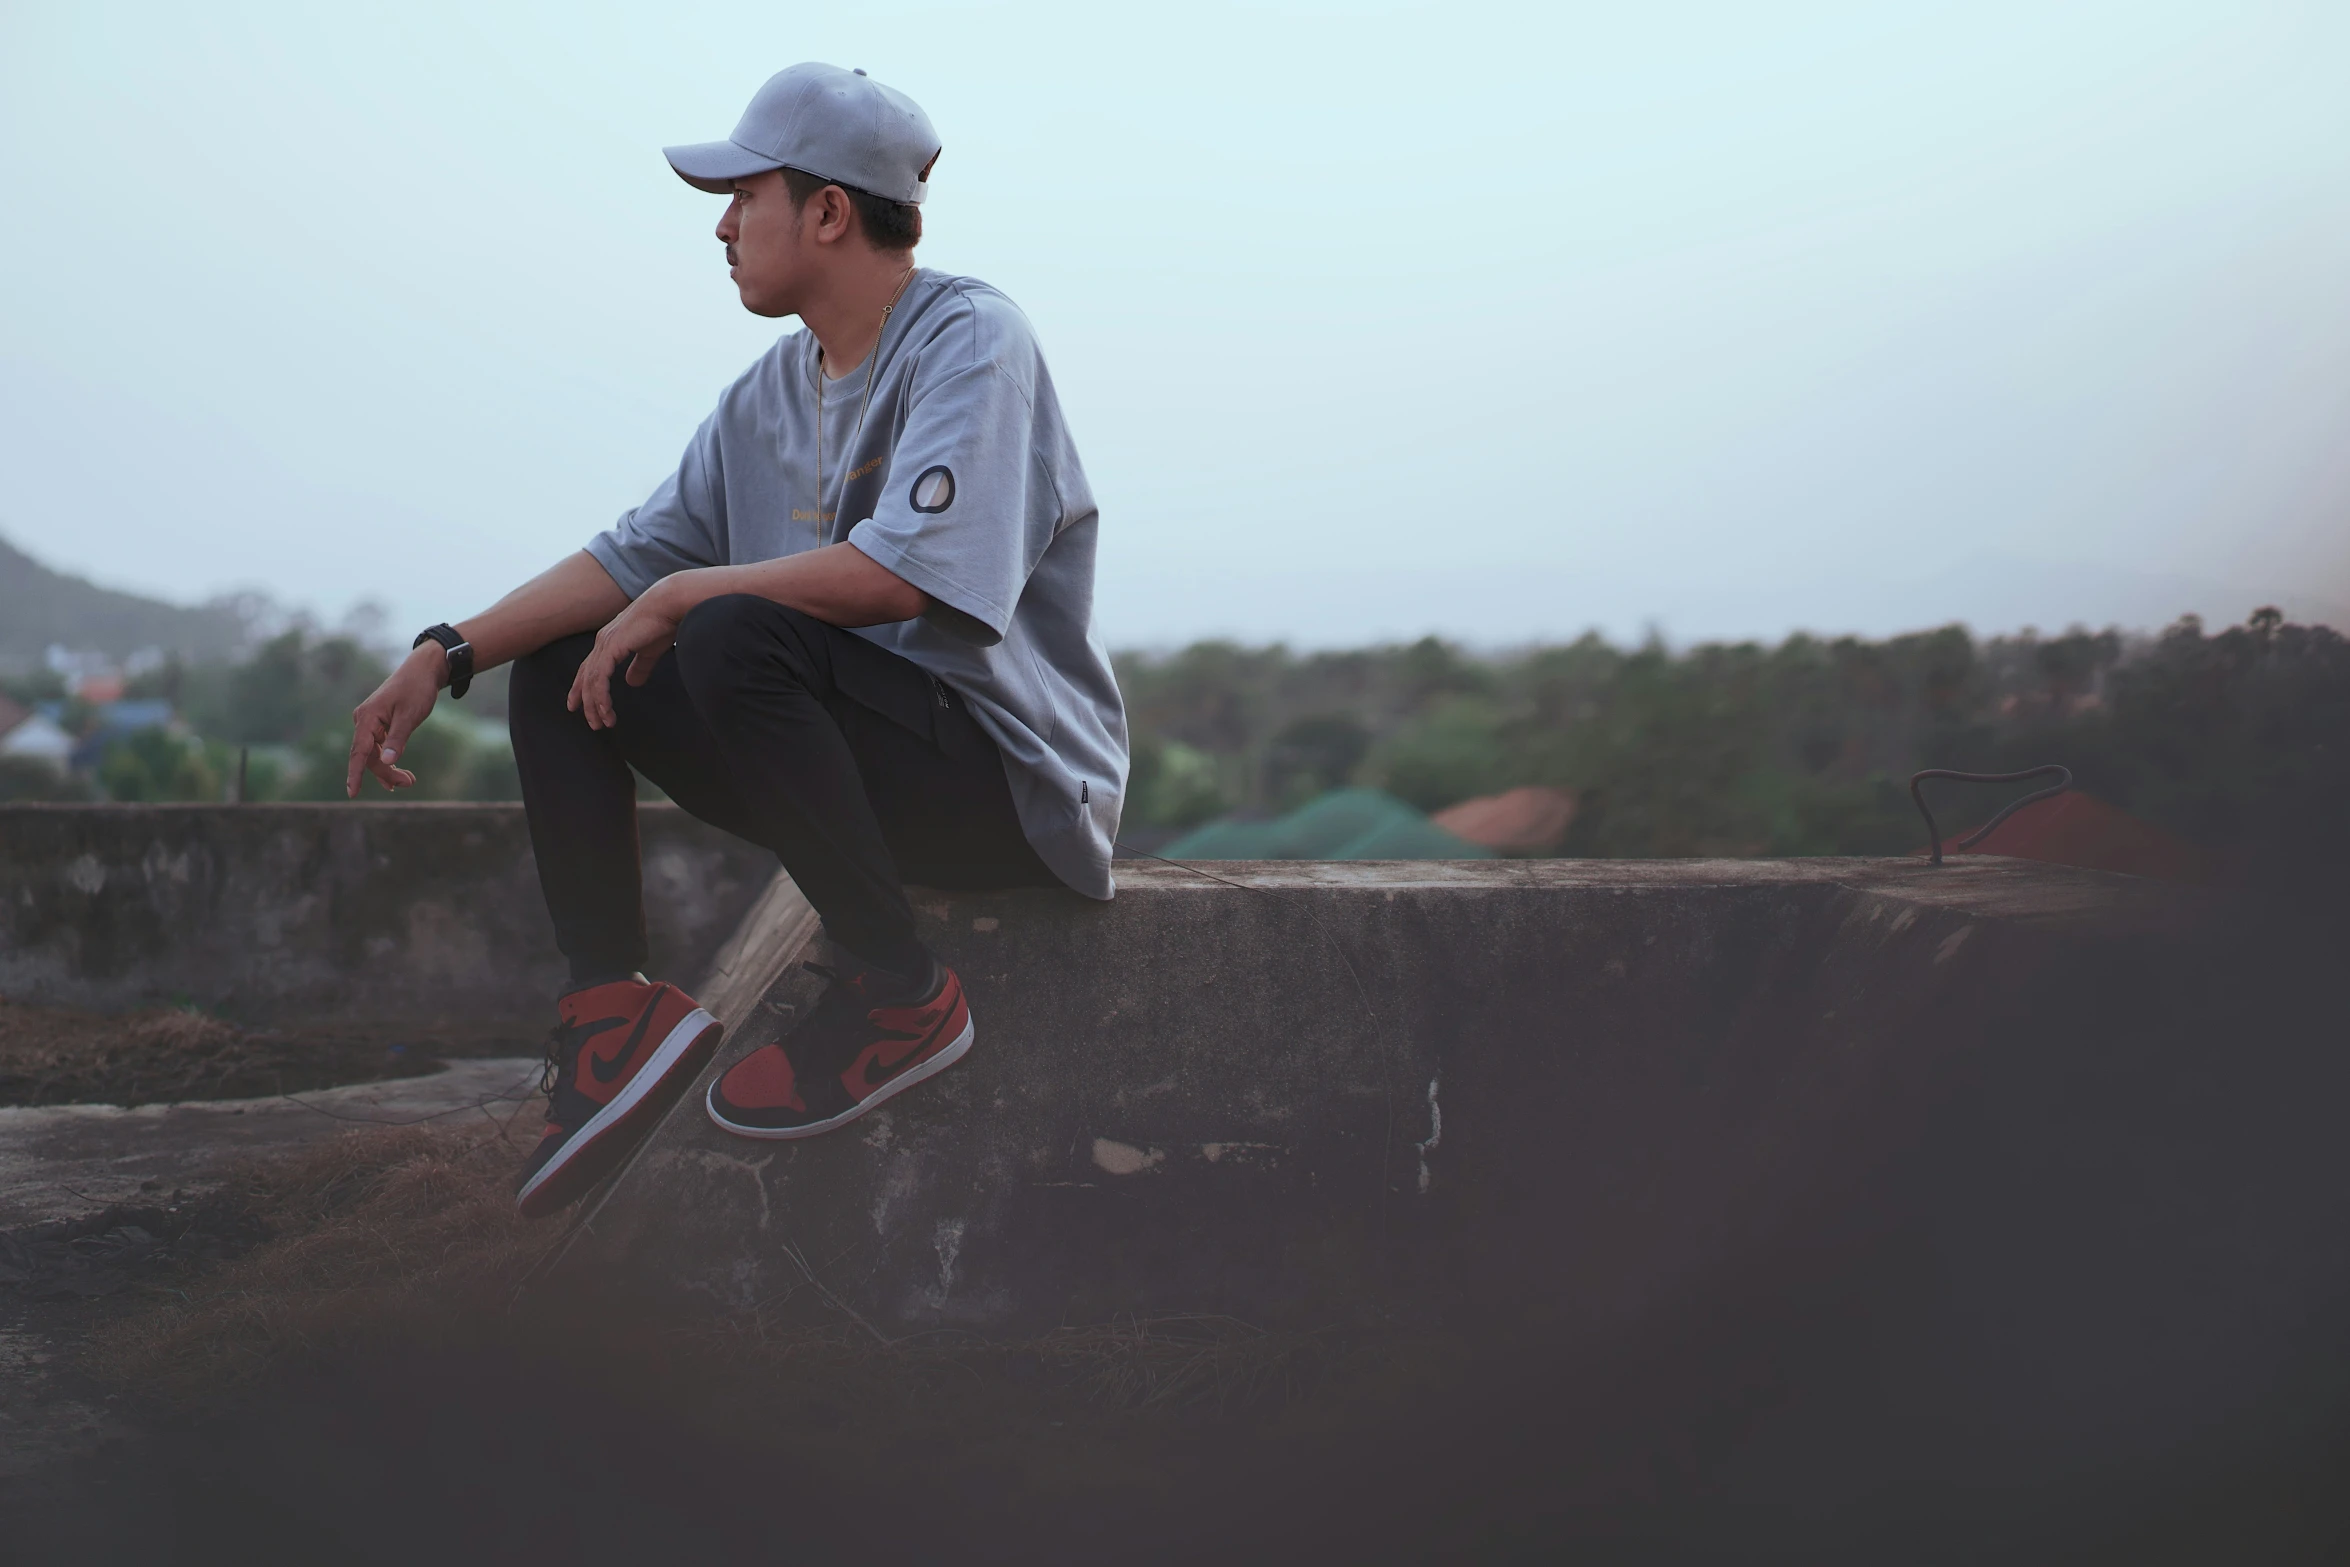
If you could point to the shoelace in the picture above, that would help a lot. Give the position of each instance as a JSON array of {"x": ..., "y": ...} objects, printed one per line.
[
  {"x": 562, "y": 1039},
  {"x": 842, "y": 995},
  {"x": 838, "y": 1024}
]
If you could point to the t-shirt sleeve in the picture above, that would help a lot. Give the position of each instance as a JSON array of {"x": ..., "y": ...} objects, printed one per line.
[
  {"x": 681, "y": 525},
  {"x": 969, "y": 508}
]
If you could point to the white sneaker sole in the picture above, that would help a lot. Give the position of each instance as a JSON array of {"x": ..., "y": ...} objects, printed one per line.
[
  {"x": 681, "y": 1039},
  {"x": 882, "y": 1095}
]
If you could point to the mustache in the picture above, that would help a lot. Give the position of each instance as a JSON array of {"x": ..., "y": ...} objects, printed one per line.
[{"x": 731, "y": 258}]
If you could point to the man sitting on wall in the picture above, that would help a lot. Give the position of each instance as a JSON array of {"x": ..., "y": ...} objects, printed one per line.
[{"x": 854, "y": 627}]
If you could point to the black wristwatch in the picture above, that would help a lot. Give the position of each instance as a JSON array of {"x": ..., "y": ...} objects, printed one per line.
[{"x": 460, "y": 654}]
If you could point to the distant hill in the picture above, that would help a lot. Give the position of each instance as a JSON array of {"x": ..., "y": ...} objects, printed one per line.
[{"x": 39, "y": 607}]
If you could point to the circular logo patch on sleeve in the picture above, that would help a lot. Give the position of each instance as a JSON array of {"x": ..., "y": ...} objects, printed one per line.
[{"x": 934, "y": 490}]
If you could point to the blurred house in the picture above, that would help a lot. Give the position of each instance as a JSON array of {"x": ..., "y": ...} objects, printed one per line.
[
  {"x": 1529, "y": 820},
  {"x": 33, "y": 737},
  {"x": 119, "y": 721},
  {"x": 2075, "y": 828},
  {"x": 91, "y": 675},
  {"x": 1345, "y": 824}
]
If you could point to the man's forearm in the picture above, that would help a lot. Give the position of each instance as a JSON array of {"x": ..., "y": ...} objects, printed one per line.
[
  {"x": 575, "y": 594},
  {"x": 838, "y": 584}
]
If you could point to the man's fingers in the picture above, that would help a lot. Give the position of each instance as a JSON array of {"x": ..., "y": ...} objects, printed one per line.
[
  {"x": 392, "y": 777},
  {"x": 594, "y": 671},
  {"x": 640, "y": 668},
  {"x": 380, "y": 727},
  {"x": 588, "y": 685},
  {"x": 389, "y": 775},
  {"x": 396, "y": 734},
  {"x": 607, "y": 662},
  {"x": 382, "y": 759},
  {"x": 366, "y": 738}
]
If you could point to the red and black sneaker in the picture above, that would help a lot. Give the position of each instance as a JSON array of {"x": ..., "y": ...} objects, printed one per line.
[
  {"x": 621, "y": 1055},
  {"x": 864, "y": 1040}
]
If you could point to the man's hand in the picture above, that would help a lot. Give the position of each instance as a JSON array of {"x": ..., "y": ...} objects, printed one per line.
[
  {"x": 381, "y": 725},
  {"x": 639, "y": 634},
  {"x": 569, "y": 597}
]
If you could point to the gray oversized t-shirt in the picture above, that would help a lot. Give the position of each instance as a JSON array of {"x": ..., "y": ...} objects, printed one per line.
[{"x": 965, "y": 483}]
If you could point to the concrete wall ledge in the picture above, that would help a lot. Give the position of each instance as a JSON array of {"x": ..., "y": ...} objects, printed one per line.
[
  {"x": 1990, "y": 1160},
  {"x": 2010, "y": 1158},
  {"x": 1309, "y": 1093}
]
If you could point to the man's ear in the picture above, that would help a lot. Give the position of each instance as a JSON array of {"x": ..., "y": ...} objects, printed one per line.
[{"x": 836, "y": 204}]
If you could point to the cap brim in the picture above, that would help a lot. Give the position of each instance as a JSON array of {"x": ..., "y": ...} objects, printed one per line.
[{"x": 714, "y": 166}]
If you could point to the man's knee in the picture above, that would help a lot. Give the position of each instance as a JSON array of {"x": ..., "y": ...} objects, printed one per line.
[
  {"x": 724, "y": 640},
  {"x": 542, "y": 679}
]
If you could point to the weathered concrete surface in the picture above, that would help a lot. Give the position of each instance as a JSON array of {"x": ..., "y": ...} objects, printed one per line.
[
  {"x": 39, "y": 1427},
  {"x": 1840, "y": 1160},
  {"x": 424, "y": 916},
  {"x": 1358, "y": 1092},
  {"x": 61, "y": 1161}
]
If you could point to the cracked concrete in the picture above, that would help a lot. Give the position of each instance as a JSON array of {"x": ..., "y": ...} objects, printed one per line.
[
  {"x": 1340, "y": 1092},
  {"x": 60, "y": 1161}
]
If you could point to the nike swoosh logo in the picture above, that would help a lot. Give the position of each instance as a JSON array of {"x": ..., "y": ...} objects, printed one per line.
[
  {"x": 587, "y": 1031},
  {"x": 891, "y": 1063},
  {"x": 608, "y": 1067}
]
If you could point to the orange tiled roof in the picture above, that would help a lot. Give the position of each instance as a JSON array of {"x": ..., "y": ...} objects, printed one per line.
[
  {"x": 1526, "y": 820},
  {"x": 2080, "y": 829}
]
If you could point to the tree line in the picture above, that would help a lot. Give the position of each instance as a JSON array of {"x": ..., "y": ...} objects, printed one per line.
[
  {"x": 277, "y": 719},
  {"x": 2238, "y": 739}
]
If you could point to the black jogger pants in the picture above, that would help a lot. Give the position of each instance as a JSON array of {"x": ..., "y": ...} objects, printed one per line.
[{"x": 856, "y": 767}]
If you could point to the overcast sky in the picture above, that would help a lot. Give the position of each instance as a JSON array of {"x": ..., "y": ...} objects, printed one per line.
[{"x": 1496, "y": 321}]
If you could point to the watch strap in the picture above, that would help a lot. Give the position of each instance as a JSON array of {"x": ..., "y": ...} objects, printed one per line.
[{"x": 458, "y": 651}]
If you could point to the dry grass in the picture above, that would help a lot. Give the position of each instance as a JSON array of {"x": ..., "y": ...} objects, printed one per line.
[
  {"x": 400, "y": 1235},
  {"x": 59, "y": 1055},
  {"x": 400, "y": 1300},
  {"x": 405, "y": 1238}
]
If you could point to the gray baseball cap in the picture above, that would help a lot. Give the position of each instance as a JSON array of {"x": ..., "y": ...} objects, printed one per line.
[{"x": 835, "y": 124}]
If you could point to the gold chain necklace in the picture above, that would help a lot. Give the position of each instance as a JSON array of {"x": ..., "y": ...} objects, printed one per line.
[{"x": 872, "y": 361}]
